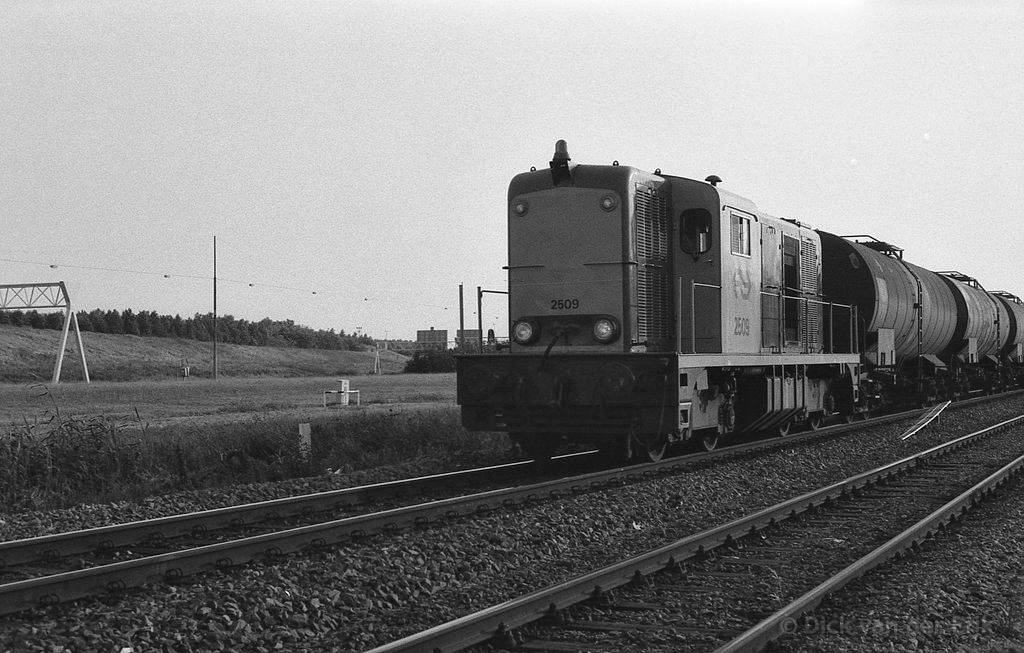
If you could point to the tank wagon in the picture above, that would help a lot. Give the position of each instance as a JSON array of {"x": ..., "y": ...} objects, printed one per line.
[
  {"x": 927, "y": 336},
  {"x": 648, "y": 309}
]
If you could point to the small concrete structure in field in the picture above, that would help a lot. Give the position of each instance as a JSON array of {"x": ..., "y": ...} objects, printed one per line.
[{"x": 342, "y": 394}]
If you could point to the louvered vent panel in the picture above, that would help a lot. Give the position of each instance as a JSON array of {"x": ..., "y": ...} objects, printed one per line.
[
  {"x": 652, "y": 266},
  {"x": 809, "y": 286}
]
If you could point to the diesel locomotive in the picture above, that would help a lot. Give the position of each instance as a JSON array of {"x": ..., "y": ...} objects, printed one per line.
[{"x": 648, "y": 309}]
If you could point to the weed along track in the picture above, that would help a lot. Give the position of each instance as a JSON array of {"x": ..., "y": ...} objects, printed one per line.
[
  {"x": 59, "y": 460},
  {"x": 735, "y": 587}
]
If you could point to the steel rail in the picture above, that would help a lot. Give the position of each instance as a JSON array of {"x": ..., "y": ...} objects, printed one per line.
[
  {"x": 54, "y": 588},
  {"x": 498, "y": 620},
  {"x": 46, "y": 549},
  {"x": 770, "y": 628}
]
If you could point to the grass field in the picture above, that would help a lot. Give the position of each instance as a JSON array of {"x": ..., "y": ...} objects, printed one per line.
[
  {"x": 208, "y": 401},
  {"x": 69, "y": 443},
  {"x": 154, "y": 433},
  {"x": 28, "y": 354}
]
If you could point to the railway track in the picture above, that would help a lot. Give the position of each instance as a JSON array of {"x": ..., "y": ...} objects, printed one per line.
[
  {"x": 739, "y": 585},
  {"x": 61, "y": 567}
]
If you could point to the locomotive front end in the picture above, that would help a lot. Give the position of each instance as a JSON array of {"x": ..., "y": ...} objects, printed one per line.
[{"x": 588, "y": 274}]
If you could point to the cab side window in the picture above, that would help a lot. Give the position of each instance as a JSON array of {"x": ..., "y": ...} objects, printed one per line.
[
  {"x": 740, "y": 234},
  {"x": 695, "y": 231}
]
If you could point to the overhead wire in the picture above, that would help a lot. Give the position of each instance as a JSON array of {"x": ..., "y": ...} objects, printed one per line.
[{"x": 198, "y": 277}]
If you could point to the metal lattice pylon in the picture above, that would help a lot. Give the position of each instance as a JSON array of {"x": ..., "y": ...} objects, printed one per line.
[{"x": 46, "y": 295}]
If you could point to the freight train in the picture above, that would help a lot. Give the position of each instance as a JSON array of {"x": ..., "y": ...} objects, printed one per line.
[{"x": 648, "y": 309}]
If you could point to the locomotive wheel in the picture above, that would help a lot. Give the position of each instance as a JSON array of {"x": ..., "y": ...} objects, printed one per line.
[
  {"x": 816, "y": 422},
  {"x": 708, "y": 440},
  {"x": 783, "y": 429},
  {"x": 650, "y": 449},
  {"x": 632, "y": 448}
]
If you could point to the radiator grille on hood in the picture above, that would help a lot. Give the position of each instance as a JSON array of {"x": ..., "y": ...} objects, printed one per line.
[{"x": 652, "y": 240}]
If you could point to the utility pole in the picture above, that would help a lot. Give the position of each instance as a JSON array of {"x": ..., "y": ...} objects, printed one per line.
[
  {"x": 480, "y": 292},
  {"x": 461, "y": 333},
  {"x": 215, "y": 307}
]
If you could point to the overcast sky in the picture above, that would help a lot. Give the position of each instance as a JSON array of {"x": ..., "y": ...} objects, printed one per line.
[{"x": 363, "y": 150}]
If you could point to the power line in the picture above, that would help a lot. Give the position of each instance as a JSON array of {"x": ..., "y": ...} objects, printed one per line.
[
  {"x": 199, "y": 277},
  {"x": 153, "y": 273}
]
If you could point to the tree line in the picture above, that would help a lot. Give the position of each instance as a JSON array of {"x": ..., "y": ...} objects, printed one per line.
[{"x": 265, "y": 333}]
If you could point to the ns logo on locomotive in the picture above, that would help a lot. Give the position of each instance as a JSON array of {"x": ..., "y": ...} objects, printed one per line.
[{"x": 649, "y": 309}]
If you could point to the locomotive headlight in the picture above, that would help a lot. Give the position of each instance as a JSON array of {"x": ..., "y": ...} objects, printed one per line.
[
  {"x": 524, "y": 332},
  {"x": 608, "y": 202},
  {"x": 606, "y": 330},
  {"x": 521, "y": 207}
]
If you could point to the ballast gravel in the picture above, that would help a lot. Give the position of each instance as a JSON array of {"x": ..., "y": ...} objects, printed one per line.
[
  {"x": 44, "y": 522},
  {"x": 362, "y": 595},
  {"x": 961, "y": 591},
  {"x": 725, "y": 594}
]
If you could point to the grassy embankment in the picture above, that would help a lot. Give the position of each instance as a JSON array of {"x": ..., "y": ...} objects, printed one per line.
[
  {"x": 28, "y": 354},
  {"x": 72, "y": 442}
]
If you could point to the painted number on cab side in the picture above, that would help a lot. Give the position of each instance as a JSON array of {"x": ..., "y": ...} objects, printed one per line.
[
  {"x": 742, "y": 326},
  {"x": 564, "y": 304}
]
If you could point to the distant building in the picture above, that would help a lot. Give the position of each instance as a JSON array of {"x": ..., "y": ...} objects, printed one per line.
[
  {"x": 467, "y": 338},
  {"x": 432, "y": 339}
]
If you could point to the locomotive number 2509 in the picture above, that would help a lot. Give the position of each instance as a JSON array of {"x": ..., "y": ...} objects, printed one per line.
[{"x": 564, "y": 304}]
